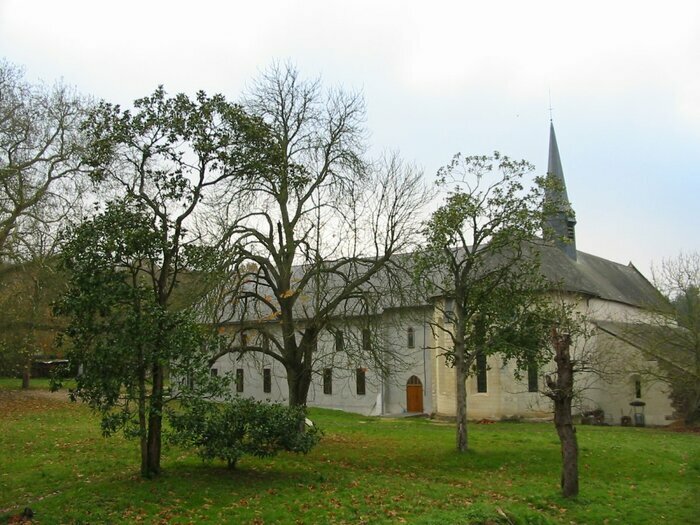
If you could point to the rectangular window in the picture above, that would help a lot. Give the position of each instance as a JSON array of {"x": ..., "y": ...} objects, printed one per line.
[
  {"x": 637, "y": 389},
  {"x": 366, "y": 339},
  {"x": 239, "y": 380},
  {"x": 449, "y": 313},
  {"x": 339, "y": 341},
  {"x": 328, "y": 381},
  {"x": 411, "y": 338},
  {"x": 532, "y": 379},
  {"x": 265, "y": 342},
  {"x": 360, "y": 381},
  {"x": 481, "y": 386},
  {"x": 214, "y": 372},
  {"x": 267, "y": 381}
]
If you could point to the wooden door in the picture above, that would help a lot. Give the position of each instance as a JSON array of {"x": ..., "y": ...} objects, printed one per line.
[{"x": 414, "y": 395}]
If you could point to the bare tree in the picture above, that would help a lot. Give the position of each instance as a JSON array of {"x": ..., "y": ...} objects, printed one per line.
[
  {"x": 568, "y": 347},
  {"x": 668, "y": 338},
  {"x": 28, "y": 285},
  {"x": 41, "y": 185},
  {"x": 320, "y": 242},
  {"x": 40, "y": 147},
  {"x": 679, "y": 280}
]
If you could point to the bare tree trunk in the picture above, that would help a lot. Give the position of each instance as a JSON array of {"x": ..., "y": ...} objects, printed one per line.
[
  {"x": 155, "y": 422},
  {"x": 569, "y": 448},
  {"x": 298, "y": 382},
  {"x": 561, "y": 391},
  {"x": 26, "y": 374},
  {"x": 461, "y": 371},
  {"x": 461, "y": 414},
  {"x": 142, "y": 424}
]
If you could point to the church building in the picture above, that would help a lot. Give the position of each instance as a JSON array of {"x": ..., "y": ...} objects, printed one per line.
[{"x": 608, "y": 293}]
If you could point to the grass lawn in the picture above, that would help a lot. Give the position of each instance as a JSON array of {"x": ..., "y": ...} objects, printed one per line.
[{"x": 366, "y": 470}]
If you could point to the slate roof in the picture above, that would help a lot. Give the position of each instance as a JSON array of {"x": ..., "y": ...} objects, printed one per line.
[
  {"x": 598, "y": 277},
  {"x": 588, "y": 275}
]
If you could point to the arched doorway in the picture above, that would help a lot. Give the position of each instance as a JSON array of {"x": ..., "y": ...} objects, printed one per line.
[{"x": 414, "y": 395}]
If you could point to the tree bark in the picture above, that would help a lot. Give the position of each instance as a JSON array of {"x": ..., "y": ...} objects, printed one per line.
[
  {"x": 461, "y": 371},
  {"x": 569, "y": 449},
  {"x": 461, "y": 413},
  {"x": 26, "y": 376},
  {"x": 142, "y": 424},
  {"x": 155, "y": 423},
  {"x": 562, "y": 393},
  {"x": 298, "y": 382}
]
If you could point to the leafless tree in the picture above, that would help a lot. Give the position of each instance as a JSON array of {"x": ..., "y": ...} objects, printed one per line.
[
  {"x": 41, "y": 186},
  {"x": 319, "y": 240},
  {"x": 668, "y": 338},
  {"x": 40, "y": 145}
]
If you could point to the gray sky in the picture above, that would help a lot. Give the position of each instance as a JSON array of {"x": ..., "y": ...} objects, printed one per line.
[{"x": 438, "y": 78}]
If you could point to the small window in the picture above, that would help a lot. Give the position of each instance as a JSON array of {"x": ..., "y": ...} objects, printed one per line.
[
  {"x": 328, "y": 381},
  {"x": 339, "y": 341},
  {"x": 532, "y": 378},
  {"x": 244, "y": 339},
  {"x": 449, "y": 313},
  {"x": 638, "y": 388},
  {"x": 214, "y": 372},
  {"x": 265, "y": 342},
  {"x": 570, "y": 231},
  {"x": 411, "y": 334},
  {"x": 239, "y": 380},
  {"x": 360, "y": 381},
  {"x": 366, "y": 339},
  {"x": 267, "y": 381},
  {"x": 481, "y": 385}
]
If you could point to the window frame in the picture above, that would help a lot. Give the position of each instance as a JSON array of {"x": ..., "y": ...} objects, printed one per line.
[
  {"x": 339, "y": 341},
  {"x": 366, "y": 339},
  {"x": 361, "y": 381},
  {"x": 533, "y": 380},
  {"x": 240, "y": 387},
  {"x": 482, "y": 386},
  {"x": 328, "y": 381},
  {"x": 267, "y": 380}
]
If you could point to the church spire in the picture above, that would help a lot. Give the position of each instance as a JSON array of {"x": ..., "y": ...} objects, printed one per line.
[{"x": 560, "y": 219}]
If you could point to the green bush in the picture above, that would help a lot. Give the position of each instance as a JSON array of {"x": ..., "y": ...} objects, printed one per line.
[{"x": 240, "y": 426}]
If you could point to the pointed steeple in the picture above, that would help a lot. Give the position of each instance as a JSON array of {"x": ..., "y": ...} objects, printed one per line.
[{"x": 560, "y": 220}]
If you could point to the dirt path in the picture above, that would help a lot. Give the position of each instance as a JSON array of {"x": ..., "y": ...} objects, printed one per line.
[
  {"x": 19, "y": 394},
  {"x": 17, "y": 401}
]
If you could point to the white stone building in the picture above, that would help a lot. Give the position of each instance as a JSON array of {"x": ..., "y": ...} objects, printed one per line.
[{"x": 609, "y": 293}]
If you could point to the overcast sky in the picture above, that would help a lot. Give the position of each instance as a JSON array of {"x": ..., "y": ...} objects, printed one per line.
[{"x": 438, "y": 78}]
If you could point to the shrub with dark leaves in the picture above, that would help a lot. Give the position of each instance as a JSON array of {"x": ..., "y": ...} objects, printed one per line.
[{"x": 240, "y": 426}]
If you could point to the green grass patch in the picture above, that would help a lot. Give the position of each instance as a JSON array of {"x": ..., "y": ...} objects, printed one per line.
[
  {"x": 366, "y": 470},
  {"x": 35, "y": 383}
]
